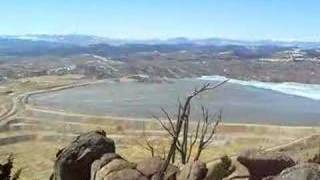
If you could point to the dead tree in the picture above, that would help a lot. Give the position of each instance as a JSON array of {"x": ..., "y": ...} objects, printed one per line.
[{"x": 179, "y": 130}]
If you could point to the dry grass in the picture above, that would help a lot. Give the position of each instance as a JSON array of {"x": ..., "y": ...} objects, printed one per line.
[{"x": 36, "y": 157}]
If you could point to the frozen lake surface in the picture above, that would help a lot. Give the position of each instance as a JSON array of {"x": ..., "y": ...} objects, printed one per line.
[{"x": 240, "y": 101}]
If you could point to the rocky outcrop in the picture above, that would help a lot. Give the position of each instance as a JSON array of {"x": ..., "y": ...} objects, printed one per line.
[
  {"x": 104, "y": 160},
  {"x": 92, "y": 156},
  {"x": 126, "y": 174},
  {"x": 307, "y": 171},
  {"x": 119, "y": 168},
  {"x": 113, "y": 167},
  {"x": 261, "y": 165},
  {"x": 193, "y": 171},
  {"x": 151, "y": 167},
  {"x": 74, "y": 161}
]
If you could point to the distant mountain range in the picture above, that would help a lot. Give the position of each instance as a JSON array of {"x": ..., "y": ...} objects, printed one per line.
[
  {"x": 64, "y": 45},
  {"x": 98, "y": 57},
  {"x": 85, "y": 40}
]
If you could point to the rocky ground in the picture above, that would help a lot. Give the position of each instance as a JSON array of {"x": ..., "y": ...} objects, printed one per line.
[{"x": 95, "y": 155}]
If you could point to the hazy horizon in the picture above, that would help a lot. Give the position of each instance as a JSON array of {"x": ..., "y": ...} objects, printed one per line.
[
  {"x": 162, "y": 39},
  {"x": 246, "y": 20}
]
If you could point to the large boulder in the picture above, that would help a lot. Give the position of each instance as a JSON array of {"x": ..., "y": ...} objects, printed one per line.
[
  {"x": 116, "y": 168},
  {"x": 74, "y": 161},
  {"x": 193, "y": 171},
  {"x": 126, "y": 174},
  {"x": 151, "y": 167},
  {"x": 113, "y": 167},
  {"x": 104, "y": 160},
  {"x": 307, "y": 171},
  {"x": 262, "y": 165}
]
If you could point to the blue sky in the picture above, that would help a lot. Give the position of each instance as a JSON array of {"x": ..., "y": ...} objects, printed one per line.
[{"x": 145, "y": 19}]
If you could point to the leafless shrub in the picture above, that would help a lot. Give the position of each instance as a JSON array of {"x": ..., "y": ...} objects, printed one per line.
[{"x": 222, "y": 169}]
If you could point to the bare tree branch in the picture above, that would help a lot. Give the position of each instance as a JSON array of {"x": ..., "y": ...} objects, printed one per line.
[
  {"x": 147, "y": 145},
  {"x": 164, "y": 126},
  {"x": 206, "y": 138},
  {"x": 169, "y": 119}
]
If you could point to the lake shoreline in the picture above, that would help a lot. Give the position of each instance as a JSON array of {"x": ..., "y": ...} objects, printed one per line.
[
  {"x": 241, "y": 104},
  {"x": 133, "y": 119}
]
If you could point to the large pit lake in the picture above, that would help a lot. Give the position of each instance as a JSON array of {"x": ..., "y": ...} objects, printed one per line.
[{"x": 240, "y": 101}]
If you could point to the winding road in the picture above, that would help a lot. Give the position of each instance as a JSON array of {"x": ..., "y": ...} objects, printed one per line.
[{"x": 19, "y": 101}]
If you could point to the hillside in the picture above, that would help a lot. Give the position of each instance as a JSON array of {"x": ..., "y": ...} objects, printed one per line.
[{"x": 176, "y": 58}]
